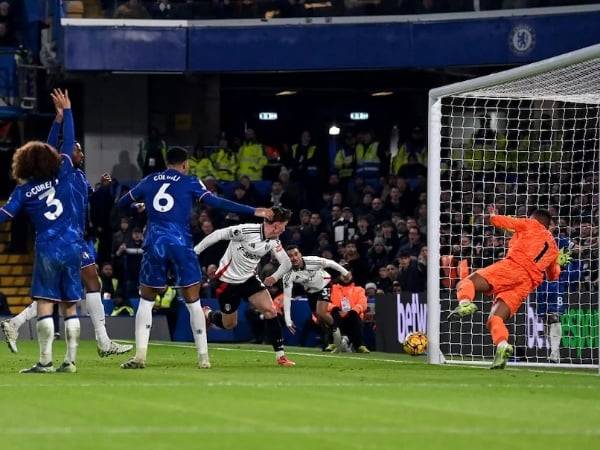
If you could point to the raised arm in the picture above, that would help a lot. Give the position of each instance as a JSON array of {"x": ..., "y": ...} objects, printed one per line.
[
  {"x": 224, "y": 234},
  {"x": 62, "y": 99},
  {"x": 506, "y": 222},
  {"x": 56, "y": 124}
]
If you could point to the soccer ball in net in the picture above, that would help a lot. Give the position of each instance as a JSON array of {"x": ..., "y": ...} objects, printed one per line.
[{"x": 415, "y": 343}]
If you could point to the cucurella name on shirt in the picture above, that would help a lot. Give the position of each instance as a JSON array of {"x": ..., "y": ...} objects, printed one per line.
[
  {"x": 162, "y": 177},
  {"x": 39, "y": 188}
]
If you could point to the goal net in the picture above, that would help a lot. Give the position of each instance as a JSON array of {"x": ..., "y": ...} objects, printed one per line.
[{"x": 522, "y": 139}]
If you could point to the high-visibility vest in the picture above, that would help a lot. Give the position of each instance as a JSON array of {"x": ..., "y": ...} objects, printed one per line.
[
  {"x": 401, "y": 158},
  {"x": 344, "y": 163},
  {"x": 201, "y": 167},
  {"x": 225, "y": 164},
  {"x": 367, "y": 161},
  {"x": 252, "y": 159},
  {"x": 311, "y": 165}
]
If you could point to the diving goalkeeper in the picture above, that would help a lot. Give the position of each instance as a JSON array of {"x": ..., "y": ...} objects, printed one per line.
[{"x": 532, "y": 252}]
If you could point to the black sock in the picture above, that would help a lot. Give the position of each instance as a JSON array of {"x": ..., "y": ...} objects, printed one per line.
[
  {"x": 216, "y": 318},
  {"x": 335, "y": 315},
  {"x": 274, "y": 334},
  {"x": 354, "y": 329}
]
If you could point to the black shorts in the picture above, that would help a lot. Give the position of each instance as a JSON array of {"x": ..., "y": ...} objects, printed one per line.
[
  {"x": 230, "y": 295},
  {"x": 324, "y": 295}
]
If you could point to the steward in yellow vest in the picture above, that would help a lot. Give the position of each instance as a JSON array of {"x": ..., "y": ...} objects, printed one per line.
[
  {"x": 225, "y": 162},
  {"x": 251, "y": 157}
]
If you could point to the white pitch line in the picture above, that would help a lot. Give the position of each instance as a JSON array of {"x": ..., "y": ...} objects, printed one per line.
[
  {"x": 315, "y": 355},
  {"x": 337, "y": 355},
  {"x": 296, "y": 430}
]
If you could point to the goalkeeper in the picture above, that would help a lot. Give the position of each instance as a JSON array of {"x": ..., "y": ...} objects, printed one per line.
[{"x": 532, "y": 253}]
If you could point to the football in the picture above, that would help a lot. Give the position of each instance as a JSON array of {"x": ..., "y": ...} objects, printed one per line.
[{"x": 415, "y": 343}]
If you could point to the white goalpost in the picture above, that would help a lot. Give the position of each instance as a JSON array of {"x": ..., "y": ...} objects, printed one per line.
[{"x": 521, "y": 139}]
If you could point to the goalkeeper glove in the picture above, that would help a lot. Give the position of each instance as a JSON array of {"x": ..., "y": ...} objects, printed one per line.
[{"x": 564, "y": 258}]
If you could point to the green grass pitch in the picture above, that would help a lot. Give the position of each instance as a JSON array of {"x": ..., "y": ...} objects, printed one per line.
[{"x": 377, "y": 401}]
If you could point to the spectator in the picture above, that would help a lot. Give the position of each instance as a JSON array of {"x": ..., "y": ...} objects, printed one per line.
[
  {"x": 364, "y": 235},
  {"x": 393, "y": 271},
  {"x": 411, "y": 152},
  {"x": 414, "y": 244},
  {"x": 345, "y": 160},
  {"x": 347, "y": 307},
  {"x": 152, "y": 153},
  {"x": 225, "y": 162},
  {"x": 383, "y": 281},
  {"x": 370, "y": 289},
  {"x": 356, "y": 264},
  {"x": 390, "y": 237},
  {"x": 411, "y": 277},
  {"x": 279, "y": 197},
  {"x": 132, "y": 9},
  {"x": 130, "y": 253},
  {"x": 378, "y": 255},
  {"x": 304, "y": 161},
  {"x": 200, "y": 165},
  {"x": 378, "y": 212},
  {"x": 125, "y": 170},
  {"x": 251, "y": 157},
  {"x": 368, "y": 162}
]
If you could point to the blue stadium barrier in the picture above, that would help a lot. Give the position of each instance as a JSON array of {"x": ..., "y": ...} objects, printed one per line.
[{"x": 426, "y": 41}]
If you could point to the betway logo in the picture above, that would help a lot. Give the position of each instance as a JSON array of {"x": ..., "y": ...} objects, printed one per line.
[{"x": 411, "y": 317}]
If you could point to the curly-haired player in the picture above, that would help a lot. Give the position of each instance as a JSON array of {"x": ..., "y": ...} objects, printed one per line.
[{"x": 46, "y": 193}]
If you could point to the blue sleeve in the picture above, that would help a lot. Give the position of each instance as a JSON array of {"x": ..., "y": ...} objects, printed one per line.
[
  {"x": 12, "y": 207},
  {"x": 136, "y": 194},
  {"x": 53, "y": 135},
  {"x": 68, "y": 133},
  {"x": 198, "y": 188},
  {"x": 227, "y": 205}
]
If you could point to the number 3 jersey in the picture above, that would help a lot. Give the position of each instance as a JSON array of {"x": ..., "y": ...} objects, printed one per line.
[
  {"x": 50, "y": 205},
  {"x": 312, "y": 276}
]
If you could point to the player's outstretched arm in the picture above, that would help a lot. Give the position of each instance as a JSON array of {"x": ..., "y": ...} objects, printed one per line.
[
  {"x": 212, "y": 239},
  {"x": 330, "y": 264},
  {"x": 227, "y": 205},
  {"x": 504, "y": 222}
]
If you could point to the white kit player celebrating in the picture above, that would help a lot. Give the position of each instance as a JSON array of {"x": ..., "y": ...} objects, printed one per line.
[
  {"x": 237, "y": 274},
  {"x": 309, "y": 272}
]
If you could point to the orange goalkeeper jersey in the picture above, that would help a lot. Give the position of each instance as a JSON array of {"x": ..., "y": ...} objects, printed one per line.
[{"x": 532, "y": 247}]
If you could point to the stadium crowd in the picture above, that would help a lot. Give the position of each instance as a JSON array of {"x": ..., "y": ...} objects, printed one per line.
[{"x": 374, "y": 225}]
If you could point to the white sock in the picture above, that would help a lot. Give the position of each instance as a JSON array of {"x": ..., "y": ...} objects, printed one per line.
[
  {"x": 279, "y": 354},
  {"x": 45, "y": 332},
  {"x": 27, "y": 314},
  {"x": 502, "y": 344},
  {"x": 143, "y": 325},
  {"x": 72, "y": 331},
  {"x": 555, "y": 336},
  {"x": 464, "y": 302},
  {"x": 96, "y": 311},
  {"x": 198, "y": 324}
]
